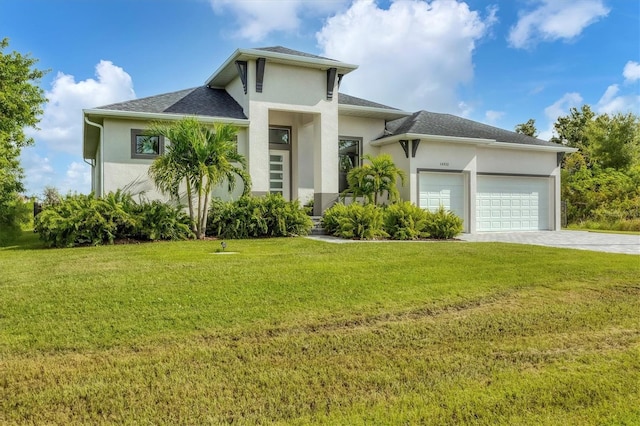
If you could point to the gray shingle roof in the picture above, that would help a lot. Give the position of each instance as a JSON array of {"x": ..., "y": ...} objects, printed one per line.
[
  {"x": 352, "y": 100},
  {"x": 287, "y": 51},
  {"x": 431, "y": 123},
  {"x": 201, "y": 100}
]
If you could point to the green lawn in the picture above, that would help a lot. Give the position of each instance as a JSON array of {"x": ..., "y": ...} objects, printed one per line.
[{"x": 294, "y": 331}]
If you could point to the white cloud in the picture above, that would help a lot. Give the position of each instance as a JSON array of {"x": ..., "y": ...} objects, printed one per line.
[
  {"x": 611, "y": 102},
  {"x": 255, "y": 20},
  {"x": 554, "y": 20},
  {"x": 492, "y": 117},
  {"x": 38, "y": 171},
  {"x": 413, "y": 55},
  {"x": 61, "y": 124},
  {"x": 559, "y": 108},
  {"x": 631, "y": 72},
  {"x": 77, "y": 178}
]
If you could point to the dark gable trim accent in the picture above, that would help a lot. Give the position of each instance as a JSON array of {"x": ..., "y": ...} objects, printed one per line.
[
  {"x": 331, "y": 82},
  {"x": 414, "y": 147},
  {"x": 405, "y": 147},
  {"x": 260, "y": 63},
  {"x": 560, "y": 157},
  {"x": 242, "y": 71},
  {"x": 340, "y": 79}
]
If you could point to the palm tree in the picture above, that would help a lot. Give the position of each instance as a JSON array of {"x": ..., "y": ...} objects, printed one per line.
[
  {"x": 372, "y": 180},
  {"x": 201, "y": 158}
]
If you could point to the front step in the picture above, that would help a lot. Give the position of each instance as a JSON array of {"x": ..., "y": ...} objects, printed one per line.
[{"x": 317, "y": 228}]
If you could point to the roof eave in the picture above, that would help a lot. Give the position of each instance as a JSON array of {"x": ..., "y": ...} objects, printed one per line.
[
  {"x": 435, "y": 138},
  {"x": 221, "y": 77},
  {"x": 242, "y": 122},
  {"x": 490, "y": 143}
]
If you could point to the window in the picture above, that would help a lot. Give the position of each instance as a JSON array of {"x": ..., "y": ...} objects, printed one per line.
[
  {"x": 348, "y": 158},
  {"x": 145, "y": 146},
  {"x": 280, "y": 136}
]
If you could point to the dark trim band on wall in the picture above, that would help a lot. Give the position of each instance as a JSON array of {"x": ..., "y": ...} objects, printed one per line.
[
  {"x": 331, "y": 81},
  {"x": 242, "y": 71},
  {"x": 440, "y": 170},
  {"x": 260, "y": 64},
  {"x": 512, "y": 175}
]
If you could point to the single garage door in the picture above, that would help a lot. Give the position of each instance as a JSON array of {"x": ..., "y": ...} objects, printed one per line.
[
  {"x": 446, "y": 189},
  {"x": 512, "y": 203}
]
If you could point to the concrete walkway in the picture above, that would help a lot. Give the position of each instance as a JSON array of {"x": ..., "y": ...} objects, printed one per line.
[{"x": 581, "y": 240}]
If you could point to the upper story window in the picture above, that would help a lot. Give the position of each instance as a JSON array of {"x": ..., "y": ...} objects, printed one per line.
[{"x": 146, "y": 146}]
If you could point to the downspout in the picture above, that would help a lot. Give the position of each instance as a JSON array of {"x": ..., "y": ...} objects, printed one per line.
[{"x": 101, "y": 130}]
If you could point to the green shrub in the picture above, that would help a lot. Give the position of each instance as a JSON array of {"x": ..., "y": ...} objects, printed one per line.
[
  {"x": 405, "y": 221},
  {"x": 86, "y": 220},
  {"x": 162, "y": 221},
  {"x": 330, "y": 218},
  {"x": 443, "y": 224},
  {"x": 251, "y": 217},
  {"x": 356, "y": 221}
]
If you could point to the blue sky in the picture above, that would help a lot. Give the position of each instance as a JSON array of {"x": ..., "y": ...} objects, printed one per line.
[{"x": 500, "y": 62}]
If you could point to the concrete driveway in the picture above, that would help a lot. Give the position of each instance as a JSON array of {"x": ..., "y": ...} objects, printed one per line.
[{"x": 581, "y": 240}]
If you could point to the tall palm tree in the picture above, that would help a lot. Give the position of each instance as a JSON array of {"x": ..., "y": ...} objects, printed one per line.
[
  {"x": 200, "y": 158},
  {"x": 372, "y": 180}
]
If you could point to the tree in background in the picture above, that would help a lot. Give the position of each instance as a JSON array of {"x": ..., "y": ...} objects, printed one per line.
[
  {"x": 20, "y": 106},
  {"x": 528, "y": 128},
  {"x": 198, "y": 159},
  {"x": 601, "y": 182}
]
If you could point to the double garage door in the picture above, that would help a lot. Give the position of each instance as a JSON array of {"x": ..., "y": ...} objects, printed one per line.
[{"x": 503, "y": 203}]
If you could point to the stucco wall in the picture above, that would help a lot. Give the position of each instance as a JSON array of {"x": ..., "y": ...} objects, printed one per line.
[
  {"x": 122, "y": 171},
  {"x": 289, "y": 85}
]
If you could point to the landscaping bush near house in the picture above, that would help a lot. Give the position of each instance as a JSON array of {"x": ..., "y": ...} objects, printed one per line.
[
  {"x": 443, "y": 224},
  {"x": 401, "y": 221},
  {"x": 86, "y": 220},
  {"x": 356, "y": 221},
  {"x": 330, "y": 222},
  {"x": 405, "y": 221},
  {"x": 250, "y": 217}
]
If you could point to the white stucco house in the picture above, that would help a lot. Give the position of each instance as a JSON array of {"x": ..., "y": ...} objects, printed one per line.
[{"x": 300, "y": 136}]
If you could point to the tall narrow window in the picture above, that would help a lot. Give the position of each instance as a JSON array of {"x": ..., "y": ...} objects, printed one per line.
[{"x": 348, "y": 158}]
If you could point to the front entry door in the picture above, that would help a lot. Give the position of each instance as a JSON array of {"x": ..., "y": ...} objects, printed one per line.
[{"x": 279, "y": 173}]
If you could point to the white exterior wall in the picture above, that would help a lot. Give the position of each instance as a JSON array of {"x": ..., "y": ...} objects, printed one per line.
[
  {"x": 120, "y": 170},
  {"x": 294, "y": 97},
  {"x": 473, "y": 159},
  {"x": 366, "y": 128}
]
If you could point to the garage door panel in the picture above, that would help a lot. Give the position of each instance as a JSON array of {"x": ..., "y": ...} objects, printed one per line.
[
  {"x": 510, "y": 203},
  {"x": 446, "y": 189}
]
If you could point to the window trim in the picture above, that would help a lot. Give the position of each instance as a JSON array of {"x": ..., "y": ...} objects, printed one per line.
[
  {"x": 360, "y": 153},
  {"x": 139, "y": 132},
  {"x": 281, "y": 146}
]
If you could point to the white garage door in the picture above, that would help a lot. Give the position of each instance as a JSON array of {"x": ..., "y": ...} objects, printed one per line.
[
  {"x": 446, "y": 189},
  {"x": 512, "y": 203}
]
